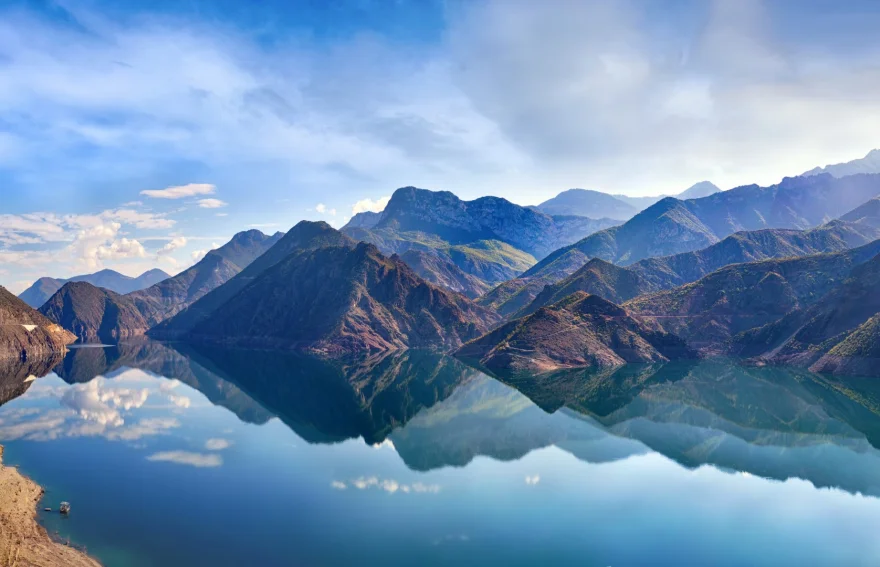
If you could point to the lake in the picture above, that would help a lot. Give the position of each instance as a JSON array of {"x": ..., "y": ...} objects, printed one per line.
[{"x": 178, "y": 455}]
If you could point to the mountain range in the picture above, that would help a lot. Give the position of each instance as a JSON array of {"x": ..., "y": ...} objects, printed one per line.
[
  {"x": 670, "y": 271},
  {"x": 779, "y": 274},
  {"x": 339, "y": 300},
  {"x": 868, "y": 164},
  {"x": 94, "y": 313},
  {"x": 42, "y": 289},
  {"x": 489, "y": 238}
]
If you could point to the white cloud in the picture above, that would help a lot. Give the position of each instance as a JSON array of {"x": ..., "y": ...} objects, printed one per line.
[
  {"x": 217, "y": 444},
  {"x": 392, "y": 486},
  {"x": 97, "y": 403},
  {"x": 179, "y": 401},
  {"x": 338, "y": 485},
  {"x": 211, "y": 203},
  {"x": 322, "y": 208},
  {"x": 200, "y": 460},
  {"x": 369, "y": 205},
  {"x": 180, "y": 191},
  {"x": 533, "y": 480},
  {"x": 172, "y": 245}
]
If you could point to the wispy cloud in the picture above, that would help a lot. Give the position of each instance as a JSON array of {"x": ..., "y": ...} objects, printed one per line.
[
  {"x": 211, "y": 203},
  {"x": 217, "y": 444},
  {"x": 199, "y": 460},
  {"x": 180, "y": 191}
]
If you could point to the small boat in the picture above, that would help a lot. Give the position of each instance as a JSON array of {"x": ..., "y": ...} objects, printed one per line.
[{"x": 64, "y": 508}]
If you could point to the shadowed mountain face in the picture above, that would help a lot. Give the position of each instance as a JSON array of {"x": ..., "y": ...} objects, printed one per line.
[
  {"x": 343, "y": 300},
  {"x": 94, "y": 314},
  {"x": 44, "y": 288},
  {"x": 304, "y": 237}
]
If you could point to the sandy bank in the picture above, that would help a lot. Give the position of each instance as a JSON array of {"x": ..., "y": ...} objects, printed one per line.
[{"x": 23, "y": 542}]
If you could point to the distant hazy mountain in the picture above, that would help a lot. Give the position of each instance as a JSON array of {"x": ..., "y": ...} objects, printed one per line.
[
  {"x": 490, "y": 238},
  {"x": 710, "y": 311},
  {"x": 27, "y": 334},
  {"x": 171, "y": 296},
  {"x": 94, "y": 314},
  {"x": 595, "y": 204},
  {"x": 666, "y": 272},
  {"x": 868, "y": 164},
  {"x": 582, "y": 330},
  {"x": 304, "y": 237},
  {"x": 44, "y": 288},
  {"x": 696, "y": 191},
  {"x": 587, "y": 203},
  {"x": 672, "y": 226},
  {"x": 341, "y": 300}
]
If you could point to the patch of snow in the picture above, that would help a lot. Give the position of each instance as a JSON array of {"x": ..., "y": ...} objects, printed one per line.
[{"x": 29, "y": 328}]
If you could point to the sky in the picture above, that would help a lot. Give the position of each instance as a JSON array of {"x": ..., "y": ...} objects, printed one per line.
[{"x": 141, "y": 134}]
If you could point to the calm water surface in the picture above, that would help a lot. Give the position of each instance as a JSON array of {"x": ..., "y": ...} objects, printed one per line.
[{"x": 176, "y": 456}]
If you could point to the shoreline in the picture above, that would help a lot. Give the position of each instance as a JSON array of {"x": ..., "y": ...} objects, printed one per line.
[{"x": 23, "y": 541}]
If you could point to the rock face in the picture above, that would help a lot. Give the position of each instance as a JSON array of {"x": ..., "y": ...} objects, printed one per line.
[
  {"x": 94, "y": 314},
  {"x": 490, "y": 238},
  {"x": 670, "y": 271},
  {"x": 586, "y": 203},
  {"x": 305, "y": 237},
  {"x": 672, "y": 226},
  {"x": 173, "y": 295},
  {"x": 835, "y": 327},
  {"x": 340, "y": 300},
  {"x": 709, "y": 312},
  {"x": 582, "y": 330},
  {"x": 597, "y": 277},
  {"x": 444, "y": 273},
  {"x": 25, "y": 334},
  {"x": 44, "y": 288}
]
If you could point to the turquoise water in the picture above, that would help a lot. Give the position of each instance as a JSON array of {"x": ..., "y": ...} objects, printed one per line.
[{"x": 176, "y": 456}]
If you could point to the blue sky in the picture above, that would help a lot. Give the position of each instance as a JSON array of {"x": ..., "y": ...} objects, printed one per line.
[{"x": 260, "y": 114}]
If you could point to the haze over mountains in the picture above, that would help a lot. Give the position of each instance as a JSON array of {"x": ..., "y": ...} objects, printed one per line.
[{"x": 595, "y": 204}]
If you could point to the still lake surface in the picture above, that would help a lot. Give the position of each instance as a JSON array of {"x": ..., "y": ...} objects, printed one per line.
[{"x": 172, "y": 455}]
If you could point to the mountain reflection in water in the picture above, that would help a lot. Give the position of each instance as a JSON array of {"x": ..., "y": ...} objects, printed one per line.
[
  {"x": 773, "y": 422},
  {"x": 214, "y": 439}
]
